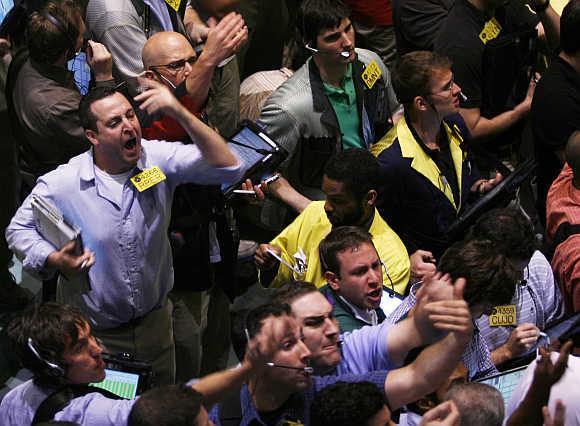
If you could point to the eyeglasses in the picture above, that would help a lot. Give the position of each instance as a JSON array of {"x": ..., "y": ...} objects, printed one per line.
[
  {"x": 448, "y": 87},
  {"x": 176, "y": 65}
]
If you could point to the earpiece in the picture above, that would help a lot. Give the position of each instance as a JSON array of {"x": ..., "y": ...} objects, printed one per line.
[{"x": 55, "y": 370}]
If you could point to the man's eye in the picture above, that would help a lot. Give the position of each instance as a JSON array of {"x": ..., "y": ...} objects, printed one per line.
[{"x": 114, "y": 123}]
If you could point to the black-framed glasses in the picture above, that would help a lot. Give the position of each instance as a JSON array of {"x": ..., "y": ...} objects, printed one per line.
[
  {"x": 176, "y": 65},
  {"x": 448, "y": 87}
]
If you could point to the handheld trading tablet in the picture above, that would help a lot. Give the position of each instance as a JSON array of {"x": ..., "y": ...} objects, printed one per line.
[
  {"x": 125, "y": 376},
  {"x": 505, "y": 382},
  {"x": 259, "y": 153}
]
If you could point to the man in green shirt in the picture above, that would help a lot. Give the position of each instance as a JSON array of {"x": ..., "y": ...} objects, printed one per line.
[{"x": 354, "y": 275}]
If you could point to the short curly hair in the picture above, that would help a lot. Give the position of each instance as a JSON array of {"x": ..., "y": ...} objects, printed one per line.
[
  {"x": 491, "y": 278},
  {"x": 346, "y": 404}
]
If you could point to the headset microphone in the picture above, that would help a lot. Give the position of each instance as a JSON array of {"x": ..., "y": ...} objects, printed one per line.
[
  {"x": 344, "y": 53},
  {"x": 306, "y": 370},
  {"x": 462, "y": 96}
]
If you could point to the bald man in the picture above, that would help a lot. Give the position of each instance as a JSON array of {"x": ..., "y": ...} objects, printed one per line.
[
  {"x": 169, "y": 58},
  {"x": 564, "y": 206}
]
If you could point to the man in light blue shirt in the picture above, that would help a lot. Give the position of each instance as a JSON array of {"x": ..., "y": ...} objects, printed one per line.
[{"x": 121, "y": 280}]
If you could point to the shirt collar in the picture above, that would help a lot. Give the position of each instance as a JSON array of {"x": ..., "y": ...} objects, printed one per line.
[
  {"x": 368, "y": 316},
  {"x": 87, "y": 165}
]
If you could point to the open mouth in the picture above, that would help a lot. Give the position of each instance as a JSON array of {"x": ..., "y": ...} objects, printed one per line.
[
  {"x": 131, "y": 144},
  {"x": 375, "y": 294}
]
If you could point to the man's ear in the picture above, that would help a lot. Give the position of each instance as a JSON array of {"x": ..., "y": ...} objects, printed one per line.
[
  {"x": 92, "y": 137},
  {"x": 420, "y": 103},
  {"x": 371, "y": 197},
  {"x": 332, "y": 280}
]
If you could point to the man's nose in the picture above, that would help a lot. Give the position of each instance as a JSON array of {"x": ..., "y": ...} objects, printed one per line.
[
  {"x": 331, "y": 327},
  {"x": 304, "y": 353}
]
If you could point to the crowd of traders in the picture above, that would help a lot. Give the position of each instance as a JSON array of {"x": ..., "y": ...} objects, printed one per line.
[{"x": 350, "y": 265}]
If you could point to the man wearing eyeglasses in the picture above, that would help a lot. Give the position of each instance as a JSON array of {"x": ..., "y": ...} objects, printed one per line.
[
  {"x": 354, "y": 275},
  {"x": 169, "y": 58},
  {"x": 427, "y": 173}
]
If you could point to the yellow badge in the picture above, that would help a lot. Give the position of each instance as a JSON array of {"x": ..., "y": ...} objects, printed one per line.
[
  {"x": 371, "y": 74},
  {"x": 174, "y": 4},
  {"x": 490, "y": 31},
  {"x": 291, "y": 423},
  {"x": 502, "y": 316},
  {"x": 148, "y": 178}
]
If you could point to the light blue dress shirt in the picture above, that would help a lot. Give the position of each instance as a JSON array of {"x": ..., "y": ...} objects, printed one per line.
[
  {"x": 133, "y": 271},
  {"x": 20, "y": 404}
]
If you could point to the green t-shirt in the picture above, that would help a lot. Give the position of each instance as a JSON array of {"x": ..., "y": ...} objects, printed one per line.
[{"x": 343, "y": 101}]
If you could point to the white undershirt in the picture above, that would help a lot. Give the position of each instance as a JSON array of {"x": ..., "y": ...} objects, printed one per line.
[{"x": 114, "y": 183}]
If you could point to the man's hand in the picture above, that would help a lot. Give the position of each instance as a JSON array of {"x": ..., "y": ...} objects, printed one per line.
[
  {"x": 224, "y": 38},
  {"x": 559, "y": 414},
  {"x": 445, "y": 414},
  {"x": 5, "y": 47},
  {"x": 524, "y": 106},
  {"x": 547, "y": 373},
  {"x": 483, "y": 186},
  {"x": 263, "y": 346},
  {"x": 521, "y": 339},
  {"x": 157, "y": 98},
  {"x": 68, "y": 263},
  {"x": 265, "y": 260},
  {"x": 422, "y": 264},
  {"x": 440, "y": 308},
  {"x": 100, "y": 61}
]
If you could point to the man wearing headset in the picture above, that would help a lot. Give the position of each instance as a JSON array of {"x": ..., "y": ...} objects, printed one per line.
[
  {"x": 55, "y": 343},
  {"x": 353, "y": 272},
  {"x": 339, "y": 99},
  {"x": 427, "y": 173},
  {"x": 44, "y": 96}
]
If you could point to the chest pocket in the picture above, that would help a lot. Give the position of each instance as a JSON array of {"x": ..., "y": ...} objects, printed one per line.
[{"x": 314, "y": 155}]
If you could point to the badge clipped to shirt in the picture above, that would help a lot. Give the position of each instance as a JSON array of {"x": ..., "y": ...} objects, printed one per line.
[
  {"x": 148, "y": 178},
  {"x": 490, "y": 31},
  {"x": 174, "y": 4},
  {"x": 291, "y": 423},
  {"x": 371, "y": 74},
  {"x": 504, "y": 315}
]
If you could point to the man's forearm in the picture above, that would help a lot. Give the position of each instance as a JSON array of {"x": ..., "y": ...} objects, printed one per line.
[
  {"x": 551, "y": 23},
  {"x": 480, "y": 126},
  {"x": 529, "y": 412},
  {"x": 211, "y": 145},
  {"x": 216, "y": 386},
  {"x": 199, "y": 81},
  {"x": 427, "y": 372},
  {"x": 401, "y": 339}
]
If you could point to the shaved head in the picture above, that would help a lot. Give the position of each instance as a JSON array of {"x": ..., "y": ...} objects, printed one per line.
[
  {"x": 160, "y": 48},
  {"x": 573, "y": 153}
]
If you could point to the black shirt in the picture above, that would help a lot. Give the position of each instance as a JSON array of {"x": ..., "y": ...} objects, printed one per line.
[
  {"x": 555, "y": 116},
  {"x": 459, "y": 38},
  {"x": 417, "y": 23},
  {"x": 441, "y": 157}
]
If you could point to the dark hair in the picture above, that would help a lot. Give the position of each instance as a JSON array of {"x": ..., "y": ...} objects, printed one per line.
[
  {"x": 54, "y": 30},
  {"x": 315, "y": 16},
  {"x": 51, "y": 327},
  {"x": 412, "y": 74},
  {"x": 573, "y": 153},
  {"x": 356, "y": 168},
  {"x": 88, "y": 119},
  {"x": 490, "y": 277},
  {"x": 172, "y": 405},
  {"x": 570, "y": 27},
  {"x": 478, "y": 404},
  {"x": 338, "y": 240},
  {"x": 289, "y": 292},
  {"x": 509, "y": 230},
  {"x": 346, "y": 404},
  {"x": 246, "y": 324}
]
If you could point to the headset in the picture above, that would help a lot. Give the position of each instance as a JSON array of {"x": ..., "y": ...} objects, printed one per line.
[
  {"x": 69, "y": 31},
  {"x": 54, "y": 370}
]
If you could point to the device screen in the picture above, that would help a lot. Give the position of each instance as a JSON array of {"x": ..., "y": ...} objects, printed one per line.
[
  {"x": 120, "y": 383},
  {"x": 505, "y": 382}
]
